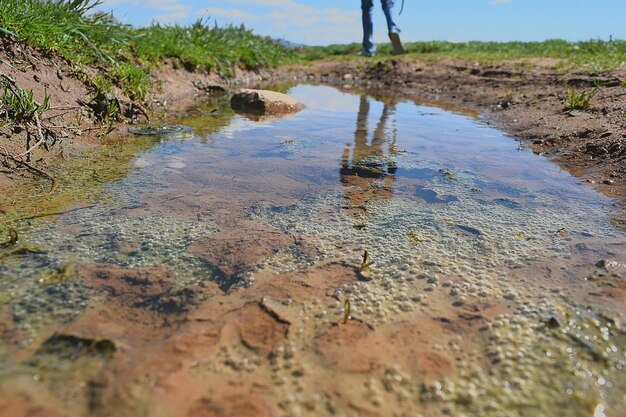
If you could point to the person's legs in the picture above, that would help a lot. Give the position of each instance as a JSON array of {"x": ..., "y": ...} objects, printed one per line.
[
  {"x": 389, "y": 14},
  {"x": 394, "y": 30},
  {"x": 368, "y": 27}
]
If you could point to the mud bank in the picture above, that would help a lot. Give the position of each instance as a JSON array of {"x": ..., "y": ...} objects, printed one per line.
[{"x": 81, "y": 141}]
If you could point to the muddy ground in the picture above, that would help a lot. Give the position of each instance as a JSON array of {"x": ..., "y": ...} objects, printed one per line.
[
  {"x": 524, "y": 98},
  {"x": 281, "y": 346}
]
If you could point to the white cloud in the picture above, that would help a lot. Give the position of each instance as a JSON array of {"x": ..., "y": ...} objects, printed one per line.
[
  {"x": 292, "y": 20},
  {"x": 287, "y": 19},
  {"x": 172, "y": 10}
]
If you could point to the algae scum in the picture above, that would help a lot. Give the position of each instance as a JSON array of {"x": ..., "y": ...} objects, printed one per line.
[{"x": 516, "y": 262}]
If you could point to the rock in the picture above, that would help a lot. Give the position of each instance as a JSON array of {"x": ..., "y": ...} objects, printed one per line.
[
  {"x": 264, "y": 102},
  {"x": 208, "y": 87},
  {"x": 348, "y": 77},
  {"x": 279, "y": 311}
]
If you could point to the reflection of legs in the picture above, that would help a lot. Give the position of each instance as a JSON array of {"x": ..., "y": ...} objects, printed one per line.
[
  {"x": 368, "y": 27},
  {"x": 380, "y": 135},
  {"x": 360, "y": 135}
]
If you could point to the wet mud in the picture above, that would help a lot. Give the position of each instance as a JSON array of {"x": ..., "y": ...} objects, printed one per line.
[{"x": 225, "y": 275}]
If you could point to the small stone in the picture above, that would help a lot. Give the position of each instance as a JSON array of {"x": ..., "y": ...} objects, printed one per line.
[{"x": 264, "y": 102}]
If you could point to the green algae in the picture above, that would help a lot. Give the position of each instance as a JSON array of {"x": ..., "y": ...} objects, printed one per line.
[
  {"x": 81, "y": 175},
  {"x": 11, "y": 253},
  {"x": 160, "y": 130},
  {"x": 80, "y": 178},
  {"x": 212, "y": 114},
  {"x": 59, "y": 274}
]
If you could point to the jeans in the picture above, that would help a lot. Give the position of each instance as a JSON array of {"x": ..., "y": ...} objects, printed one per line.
[{"x": 368, "y": 26}]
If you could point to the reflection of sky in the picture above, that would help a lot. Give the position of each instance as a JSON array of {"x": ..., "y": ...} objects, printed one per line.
[
  {"x": 339, "y": 102},
  {"x": 240, "y": 124}
]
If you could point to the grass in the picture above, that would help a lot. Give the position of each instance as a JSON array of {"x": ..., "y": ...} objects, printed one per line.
[
  {"x": 126, "y": 55},
  {"x": 593, "y": 55},
  {"x": 16, "y": 104},
  {"x": 202, "y": 47},
  {"x": 580, "y": 100}
]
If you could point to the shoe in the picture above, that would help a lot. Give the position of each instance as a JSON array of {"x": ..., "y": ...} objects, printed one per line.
[
  {"x": 366, "y": 54},
  {"x": 396, "y": 44}
]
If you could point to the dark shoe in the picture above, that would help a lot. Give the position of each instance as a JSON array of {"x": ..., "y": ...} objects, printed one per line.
[{"x": 396, "y": 44}]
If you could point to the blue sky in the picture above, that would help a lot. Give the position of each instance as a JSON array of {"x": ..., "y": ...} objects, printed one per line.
[{"x": 320, "y": 22}]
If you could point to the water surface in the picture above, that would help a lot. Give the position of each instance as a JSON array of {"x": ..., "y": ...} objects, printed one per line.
[{"x": 461, "y": 226}]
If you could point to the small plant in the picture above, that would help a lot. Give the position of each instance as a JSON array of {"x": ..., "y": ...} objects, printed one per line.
[
  {"x": 346, "y": 311},
  {"x": 132, "y": 79},
  {"x": 12, "y": 238},
  {"x": 16, "y": 104},
  {"x": 109, "y": 117},
  {"x": 365, "y": 263},
  {"x": 580, "y": 100},
  {"x": 101, "y": 83},
  {"x": 623, "y": 82}
]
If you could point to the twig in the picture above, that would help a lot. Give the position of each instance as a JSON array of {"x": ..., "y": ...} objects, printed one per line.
[
  {"x": 142, "y": 110},
  {"x": 74, "y": 128},
  {"x": 12, "y": 238},
  {"x": 57, "y": 213},
  {"x": 42, "y": 139},
  {"x": 57, "y": 115},
  {"x": 65, "y": 107},
  {"x": 365, "y": 264}
]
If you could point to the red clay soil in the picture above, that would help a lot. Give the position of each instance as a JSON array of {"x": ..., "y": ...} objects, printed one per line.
[{"x": 157, "y": 353}]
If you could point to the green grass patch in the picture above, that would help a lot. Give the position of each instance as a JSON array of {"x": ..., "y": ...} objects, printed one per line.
[
  {"x": 204, "y": 47},
  {"x": 16, "y": 104},
  {"x": 580, "y": 100},
  {"x": 126, "y": 55},
  {"x": 593, "y": 55}
]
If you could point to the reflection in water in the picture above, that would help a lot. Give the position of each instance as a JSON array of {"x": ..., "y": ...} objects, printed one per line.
[{"x": 370, "y": 174}]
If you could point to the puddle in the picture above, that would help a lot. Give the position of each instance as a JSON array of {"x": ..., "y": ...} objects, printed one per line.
[{"x": 484, "y": 295}]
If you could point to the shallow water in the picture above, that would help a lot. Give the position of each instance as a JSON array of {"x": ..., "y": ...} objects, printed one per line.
[{"x": 458, "y": 221}]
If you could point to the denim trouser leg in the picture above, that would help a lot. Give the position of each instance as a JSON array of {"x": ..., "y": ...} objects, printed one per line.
[
  {"x": 389, "y": 14},
  {"x": 368, "y": 26}
]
